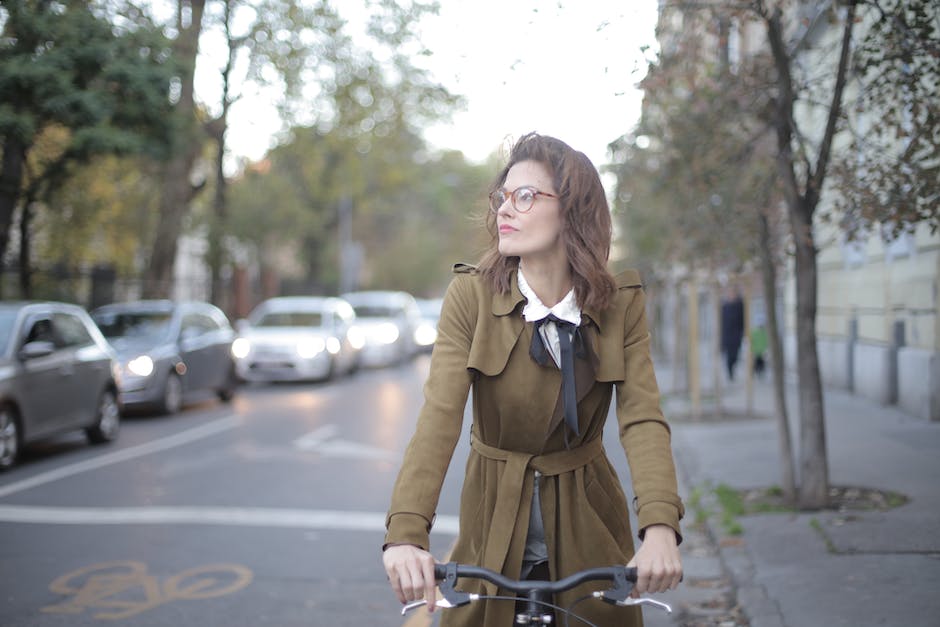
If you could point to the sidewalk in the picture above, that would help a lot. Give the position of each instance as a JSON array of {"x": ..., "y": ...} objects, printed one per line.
[{"x": 855, "y": 568}]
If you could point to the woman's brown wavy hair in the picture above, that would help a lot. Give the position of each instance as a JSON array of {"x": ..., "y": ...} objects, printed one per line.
[{"x": 586, "y": 218}]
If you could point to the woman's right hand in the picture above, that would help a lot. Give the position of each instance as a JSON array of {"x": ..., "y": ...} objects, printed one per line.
[{"x": 410, "y": 570}]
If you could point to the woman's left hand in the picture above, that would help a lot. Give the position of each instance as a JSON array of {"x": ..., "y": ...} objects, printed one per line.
[{"x": 659, "y": 567}]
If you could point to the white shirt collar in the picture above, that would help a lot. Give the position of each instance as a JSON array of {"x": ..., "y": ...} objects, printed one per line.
[{"x": 566, "y": 309}]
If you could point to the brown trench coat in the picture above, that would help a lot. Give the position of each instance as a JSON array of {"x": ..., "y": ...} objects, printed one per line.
[{"x": 483, "y": 345}]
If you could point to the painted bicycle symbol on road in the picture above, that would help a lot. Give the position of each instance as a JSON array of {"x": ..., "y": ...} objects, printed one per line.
[{"x": 116, "y": 587}]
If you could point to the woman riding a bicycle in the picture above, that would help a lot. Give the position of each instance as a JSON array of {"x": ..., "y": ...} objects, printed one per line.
[{"x": 543, "y": 335}]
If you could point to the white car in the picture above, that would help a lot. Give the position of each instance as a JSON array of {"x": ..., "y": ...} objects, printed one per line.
[
  {"x": 298, "y": 338},
  {"x": 426, "y": 333},
  {"x": 388, "y": 320}
]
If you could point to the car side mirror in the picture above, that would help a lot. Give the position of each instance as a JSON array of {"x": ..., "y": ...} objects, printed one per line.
[{"x": 32, "y": 350}]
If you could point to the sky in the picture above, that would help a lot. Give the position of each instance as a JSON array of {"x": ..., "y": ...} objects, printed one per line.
[{"x": 566, "y": 68}]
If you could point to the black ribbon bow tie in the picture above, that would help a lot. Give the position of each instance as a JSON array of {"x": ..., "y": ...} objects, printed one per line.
[{"x": 569, "y": 340}]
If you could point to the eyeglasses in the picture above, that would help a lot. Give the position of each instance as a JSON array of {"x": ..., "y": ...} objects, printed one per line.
[{"x": 522, "y": 198}]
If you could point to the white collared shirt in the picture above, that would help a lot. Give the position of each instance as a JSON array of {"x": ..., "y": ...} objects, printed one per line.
[{"x": 566, "y": 309}]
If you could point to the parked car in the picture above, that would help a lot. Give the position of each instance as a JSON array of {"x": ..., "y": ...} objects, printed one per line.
[
  {"x": 57, "y": 373},
  {"x": 388, "y": 320},
  {"x": 426, "y": 333},
  {"x": 170, "y": 352},
  {"x": 296, "y": 338}
]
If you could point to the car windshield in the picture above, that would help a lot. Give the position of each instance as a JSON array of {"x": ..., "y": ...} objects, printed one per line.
[
  {"x": 132, "y": 325},
  {"x": 290, "y": 319},
  {"x": 430, "y": 308},
  {"x": 7, "y": 319},
  {"x": 376, "y": 311}
]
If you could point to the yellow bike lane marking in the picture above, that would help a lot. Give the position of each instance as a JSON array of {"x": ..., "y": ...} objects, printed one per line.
[{"x": 122, "y": 589}]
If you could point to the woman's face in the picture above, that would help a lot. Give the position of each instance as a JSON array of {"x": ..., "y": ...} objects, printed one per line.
[{"x": 537, "y": 232}]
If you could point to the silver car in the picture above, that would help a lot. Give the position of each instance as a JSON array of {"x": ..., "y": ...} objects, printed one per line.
[
  {"x": 388, "y": 320},
  {"x": 426, "y": 333},
  {"x": 296, "y": 338},
  {"x": 57, "y": 373},
  {"x": 170, "y": 352}
]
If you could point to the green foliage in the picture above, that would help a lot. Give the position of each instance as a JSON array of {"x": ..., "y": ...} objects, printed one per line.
[
  {"x": 729, "y": 499},
  {"x": 412, "y": 213},
  {"x": 104, "y": 214},
  {"x": 61, "y": 64},
  {"x": 75, "y": 86},
  {"x": 890, "y": 173},
  {"x": 688, "y": 186}
]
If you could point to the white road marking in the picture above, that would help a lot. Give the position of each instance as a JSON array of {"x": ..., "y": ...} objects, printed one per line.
[
  {"x": 178, "y": 439},
  {"x": 232, "y": 516},
  {"x": 315, "y": 438},
  {"x": 322, "y": 441}
]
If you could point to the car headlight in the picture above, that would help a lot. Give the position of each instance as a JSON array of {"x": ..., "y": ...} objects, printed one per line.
[
  {"x": 308, "y": 349},
  {"x": 425, "y": 334},
  {"x": 141, "y": 366},
  {"x": 240, "y": 348},
  {"x": 386, "y": 333},
  {"x": 357, "y": 339},
  {"x": 333, "y": 345}
]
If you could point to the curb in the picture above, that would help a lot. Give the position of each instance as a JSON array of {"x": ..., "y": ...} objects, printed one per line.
[{"x": 758, "y": 608}]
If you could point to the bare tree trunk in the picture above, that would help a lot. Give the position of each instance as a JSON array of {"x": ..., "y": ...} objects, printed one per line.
[
  {"x": 716, "y": 348},
  {"x": 748, "y": 351},
  {"x": 678, "y": 384},
  {"x": 801, "y": 205},
  {"x": 11, "y": 180},
  {"x": 769, "y": 276},
  {"x": 217, "y": 226},
  {"x": 814, "y": 467},
  {"x": 25, "y": 270},
  {"x": 177, "y": 189},
  {"x": 695, "y": 382}
]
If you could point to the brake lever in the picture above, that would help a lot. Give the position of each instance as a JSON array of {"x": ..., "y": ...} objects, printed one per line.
[
  {"x": 619, "y": 594},
  {"x": 416, "y": 604},
  {"x": 634, "y": 601},
  {"x": 647, "y": 601},
  {"x": 450, "y": 596}
]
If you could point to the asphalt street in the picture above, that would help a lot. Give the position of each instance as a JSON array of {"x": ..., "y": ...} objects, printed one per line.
[{"x": 266, "y": 511}]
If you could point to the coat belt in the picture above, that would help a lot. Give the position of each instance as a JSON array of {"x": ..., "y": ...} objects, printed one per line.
[{"x": 509, "y": 500}]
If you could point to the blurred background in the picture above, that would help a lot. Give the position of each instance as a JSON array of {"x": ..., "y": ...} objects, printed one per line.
[{"x": 206, "y": 199}]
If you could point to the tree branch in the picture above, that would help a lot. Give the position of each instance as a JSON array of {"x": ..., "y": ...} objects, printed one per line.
[{"x": 825, "y": 149}]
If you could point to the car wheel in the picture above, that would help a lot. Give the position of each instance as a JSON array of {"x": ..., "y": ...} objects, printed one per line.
[
  {"x": 227, "y": 392},
  {"x": 172, "y": 400},
  {"x": 9, "y": 437},
  {"x": 108, "y": 421}
]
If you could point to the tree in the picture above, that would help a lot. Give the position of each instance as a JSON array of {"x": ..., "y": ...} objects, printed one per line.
[
  {"x": 890, "y": 172},
  {"x": 696, "y": 184},
  {"x": 325, "y": 77},
  {"x": 412, "y": 214},
  {"x": 177, "y": 188},
  {"x": 82, "y": 85},
  {"x": 796, "y": 78}
]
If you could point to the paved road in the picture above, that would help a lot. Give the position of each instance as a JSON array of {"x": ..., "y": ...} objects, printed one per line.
[{"x": 268, "y": 511}]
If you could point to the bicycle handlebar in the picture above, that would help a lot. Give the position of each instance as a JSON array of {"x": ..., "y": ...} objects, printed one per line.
[
  {"x": 616, "y": 574},
  {"x": 621, "y": 577}
]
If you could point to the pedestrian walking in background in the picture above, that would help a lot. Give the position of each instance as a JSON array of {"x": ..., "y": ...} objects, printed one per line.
[
  {"x": 732, "y": 329},
  {"x": 543, "y": 335},
  {"x": 758, "y": 342}
]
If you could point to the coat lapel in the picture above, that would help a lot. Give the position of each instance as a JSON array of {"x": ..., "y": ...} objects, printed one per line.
[{"x": 495, "y": 336}]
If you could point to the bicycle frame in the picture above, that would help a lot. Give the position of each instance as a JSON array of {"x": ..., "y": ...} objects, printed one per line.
[{"x": 536, "y": 592}]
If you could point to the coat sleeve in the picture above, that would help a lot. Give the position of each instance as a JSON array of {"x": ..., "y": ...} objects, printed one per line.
[
  {"x": 418, "y": 486},
  {"x": 644, "y": 432}
]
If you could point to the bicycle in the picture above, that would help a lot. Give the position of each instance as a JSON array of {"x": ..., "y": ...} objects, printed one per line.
[{"x": 537, "y": 593}]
